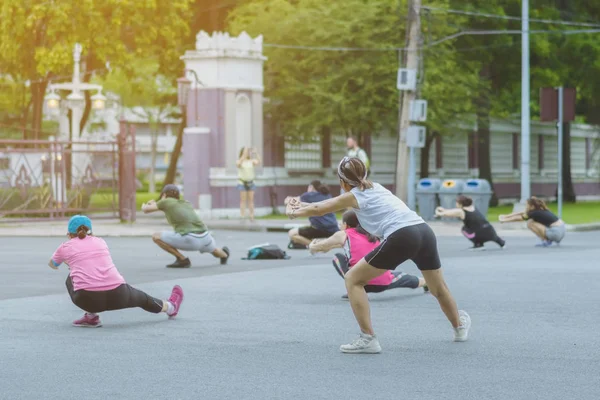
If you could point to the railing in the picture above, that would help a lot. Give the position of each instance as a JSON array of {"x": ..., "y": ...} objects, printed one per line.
[{"x": 54, "y": 178}]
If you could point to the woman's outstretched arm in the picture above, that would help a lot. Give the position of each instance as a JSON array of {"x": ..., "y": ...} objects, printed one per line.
[
  {"x": 453, "y": 212},
  {"x": 296, "y": 209},
  {"x": 514, "y": 217},
  {"x": 324, "y": 245}
]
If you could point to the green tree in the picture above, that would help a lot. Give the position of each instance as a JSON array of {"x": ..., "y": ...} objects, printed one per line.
[
  {"x": 351, "y": 91},
  {"x": 37, "y": 38},
  {"x": 148, "y": 94}
]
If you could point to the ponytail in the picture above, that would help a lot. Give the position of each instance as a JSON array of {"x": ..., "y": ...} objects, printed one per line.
[
  {"x": 370, "y": 238},
  {"x": 82, "y": 232},
  {"x": 354, "y": 172},
  {"x": 320, "y": 187},
  {"x": 351, "y": 220}
]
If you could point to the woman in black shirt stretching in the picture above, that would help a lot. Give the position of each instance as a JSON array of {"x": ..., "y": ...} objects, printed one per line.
[
  {"x": 540, "y": 221},
  {"x": 476, "y": 227}
]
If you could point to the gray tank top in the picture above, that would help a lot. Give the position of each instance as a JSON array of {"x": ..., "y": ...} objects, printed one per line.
[{"x": 381, "y": 213}]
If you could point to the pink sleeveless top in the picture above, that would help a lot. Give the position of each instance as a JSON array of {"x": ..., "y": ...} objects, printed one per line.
[{"x": 356, "y": 247}]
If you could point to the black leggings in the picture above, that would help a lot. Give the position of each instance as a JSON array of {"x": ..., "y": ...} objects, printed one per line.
[
  {"x": 341, "y": 265},
  {"x": 118, "y": 298},
  {"x": 483, "y": 235}
]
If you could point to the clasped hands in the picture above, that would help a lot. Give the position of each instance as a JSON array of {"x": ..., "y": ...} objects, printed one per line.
[{"x": 292, "y": 204}]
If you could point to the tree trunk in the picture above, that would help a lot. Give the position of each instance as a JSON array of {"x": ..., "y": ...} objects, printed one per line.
[
  {"x": 172, "y": 170},
  {"x": 568, "y": 189},
  {"x": 25, "y": 119},
  {"x": 429, "y": 140},
  {"x": 88, "y": 101},
  {"x": 153, "y": 146},
  {"x": 86, "y": 111},
  {"x": 38, "y": 90},
  {"x": 483, "y": 107}
]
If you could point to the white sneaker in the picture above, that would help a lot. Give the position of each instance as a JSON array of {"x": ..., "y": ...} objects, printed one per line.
[
  {"x": 362, "y": 344},
  {"x": 461, "y": 333}
]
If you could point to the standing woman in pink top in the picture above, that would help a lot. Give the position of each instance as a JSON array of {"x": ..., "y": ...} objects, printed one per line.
[
  {"x": 357, "y": 243},
  {"x": 94, "y": 283}
]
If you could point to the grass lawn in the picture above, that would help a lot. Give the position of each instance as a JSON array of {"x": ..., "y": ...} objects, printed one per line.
[
  {"x": 105, "y": 200},
  {"x": 573, "y": 213},
  {"x": 578, "y": 213}
]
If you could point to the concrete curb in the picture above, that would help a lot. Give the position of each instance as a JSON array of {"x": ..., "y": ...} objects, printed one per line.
[
  {"x": 584, "y": 227},
  {"x": 144, "y": 228}
]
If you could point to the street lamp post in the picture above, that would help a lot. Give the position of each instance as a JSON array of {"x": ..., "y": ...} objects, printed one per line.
[
  {"x": 184, "y": 86},
  {"x": 75, "y": 101}
]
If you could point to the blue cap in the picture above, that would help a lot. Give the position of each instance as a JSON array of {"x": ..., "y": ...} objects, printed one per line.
[{"x": 78, "y": 220}]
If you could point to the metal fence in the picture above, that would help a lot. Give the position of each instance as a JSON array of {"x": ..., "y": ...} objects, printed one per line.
[{"x": 54, "y": 178}]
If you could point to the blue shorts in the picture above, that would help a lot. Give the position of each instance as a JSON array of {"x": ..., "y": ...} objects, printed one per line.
[{"x": 246, "y": 187}]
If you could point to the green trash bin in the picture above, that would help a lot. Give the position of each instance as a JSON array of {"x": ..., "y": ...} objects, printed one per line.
[
  {"x": 449, "y": 191},
  {"x": 427, "y": 201},
  {"x": 480, "y": 191}
]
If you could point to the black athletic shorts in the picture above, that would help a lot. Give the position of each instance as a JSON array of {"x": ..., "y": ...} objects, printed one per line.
[
  {"x": 416, "y": 243},
  {"x": 310, "y": 232}
]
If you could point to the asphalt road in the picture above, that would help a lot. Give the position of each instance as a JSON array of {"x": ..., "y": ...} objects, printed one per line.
[{"x": 272, "y": 329}]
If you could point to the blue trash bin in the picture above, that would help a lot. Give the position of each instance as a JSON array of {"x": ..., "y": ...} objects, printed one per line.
[
  {"x": 480, "y": 191},
  {"x": 427, "y": 201},
  {"x": 449, "y": 191}
]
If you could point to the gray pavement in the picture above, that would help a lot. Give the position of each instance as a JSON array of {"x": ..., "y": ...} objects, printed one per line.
[{"x": 272, "y": 329}]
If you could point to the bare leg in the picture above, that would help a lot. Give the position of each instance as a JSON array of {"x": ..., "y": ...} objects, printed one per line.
[
  {"x": 243, "y": 201},
  {"x": 296, "y": 238},
  {"x": 219, "y": 253},
  {"x": 251, "y": 204},
  {"x": 538, "y": 229},
  {"x": 168, "y": 248},
  {"x": 437, "y": 286},
  {"x": 356, "y": 279}
]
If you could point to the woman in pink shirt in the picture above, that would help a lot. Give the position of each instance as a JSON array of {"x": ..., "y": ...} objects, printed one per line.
[
  {"x": 94, "y": 283},
  {"x": 357, "y": 243}
]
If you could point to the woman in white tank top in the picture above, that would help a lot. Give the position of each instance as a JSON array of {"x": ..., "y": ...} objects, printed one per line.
[{"x": 405, "y": 236}]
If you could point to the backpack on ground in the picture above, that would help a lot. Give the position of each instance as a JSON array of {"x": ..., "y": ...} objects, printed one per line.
[{"x": 266, "y": 252}]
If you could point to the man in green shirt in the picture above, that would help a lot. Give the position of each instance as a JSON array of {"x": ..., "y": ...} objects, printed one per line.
[{"x": 189, "y": 232}]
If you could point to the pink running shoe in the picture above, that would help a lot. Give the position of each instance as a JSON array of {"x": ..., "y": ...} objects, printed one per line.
[
  {"x": 176, "y": 299},
  {"x": 88, "y": 321}
]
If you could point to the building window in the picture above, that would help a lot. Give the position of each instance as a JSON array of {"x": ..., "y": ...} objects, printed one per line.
[
  {"x": 472, "y": 148},
  {"x": 540, "y": 152},
  {"x": 438, "y": 153},
  {"x": 515, "y": 151},
  {"x": 588, "y": 153}
]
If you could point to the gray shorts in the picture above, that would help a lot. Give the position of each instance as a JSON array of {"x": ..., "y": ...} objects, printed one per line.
[
  {"x": 202, "y": 242},
  {"x": 556, "y": 233}
]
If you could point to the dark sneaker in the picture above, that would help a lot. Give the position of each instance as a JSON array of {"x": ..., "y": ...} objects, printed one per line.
[
  {"x": 224, "y": 260},
  {"x": 345, "y": 297},
  {"x": 185, "y": 263},
  {"x": 297, "y": 246},
  {"x": 477, "y": 247},
  {"x": 425, "y": 289}
]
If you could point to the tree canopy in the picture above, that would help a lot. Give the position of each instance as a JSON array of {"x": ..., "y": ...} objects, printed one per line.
[
  {"x": 354, "y": 90},
  {"x": 37, "y": 38}
]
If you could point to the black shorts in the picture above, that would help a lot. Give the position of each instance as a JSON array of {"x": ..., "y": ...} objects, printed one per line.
[
  {"x": 310, "y": 232},
  {"x": 416, "y": 243}
]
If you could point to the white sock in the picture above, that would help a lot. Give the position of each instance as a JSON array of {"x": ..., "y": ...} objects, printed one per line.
[
  {"x": 92, "y": 315},
  {"x": 170, "y": 308}
]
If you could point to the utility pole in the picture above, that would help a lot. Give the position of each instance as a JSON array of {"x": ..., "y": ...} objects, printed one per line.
[
  {"x": 412, "y": 62},
  {"x": 525, "y": 117}
]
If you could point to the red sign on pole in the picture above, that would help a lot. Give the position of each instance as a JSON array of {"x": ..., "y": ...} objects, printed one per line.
[{"x": 549, "y": 104}]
